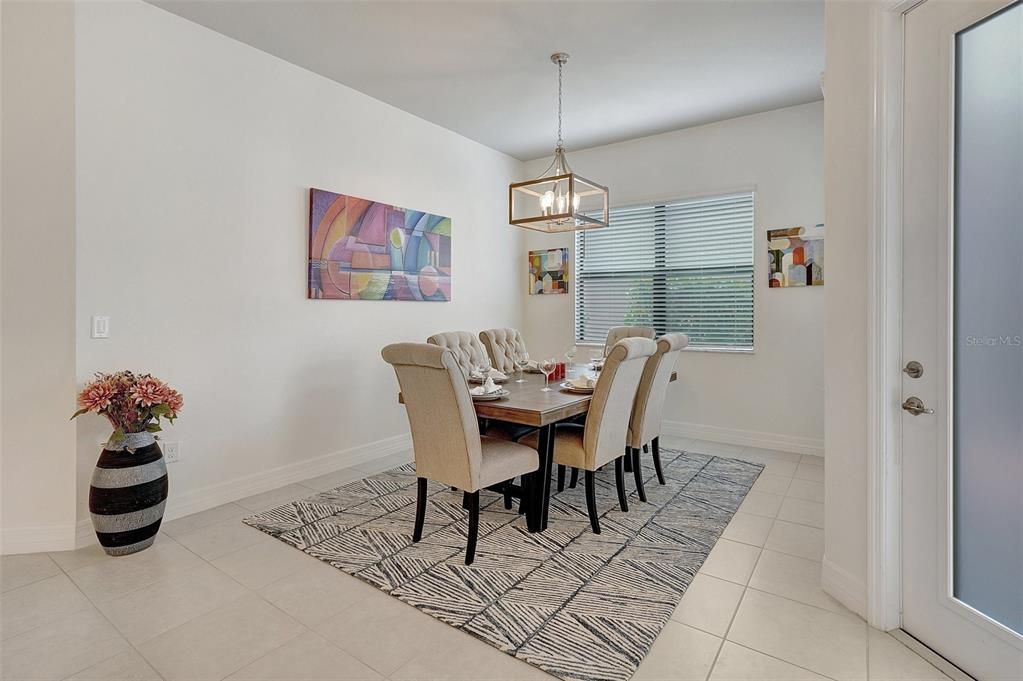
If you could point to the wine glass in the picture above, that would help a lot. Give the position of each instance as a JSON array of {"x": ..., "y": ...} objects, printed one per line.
[
  {"x": 547, "y": 367},
  {"x": 570, "y": 356},
  {"x": 522, "y": 361}
]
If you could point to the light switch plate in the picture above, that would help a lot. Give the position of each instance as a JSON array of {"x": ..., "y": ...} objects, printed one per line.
[{"x": 100, "y": 326}]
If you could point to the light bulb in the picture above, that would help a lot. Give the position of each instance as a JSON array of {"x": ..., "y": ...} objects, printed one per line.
[
  {"x": 575, "y": 201},
  {"x": 562, "y": 203},
  {"x": 546, "y": 201}
]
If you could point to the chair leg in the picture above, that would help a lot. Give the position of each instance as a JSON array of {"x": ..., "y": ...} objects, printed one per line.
[
  {"x": 628, "y": 460},
  {"x": 655, "y": 445},
  {"x": 575, "y": 478},
  {"x": 620, "y": 483},
  {"x": 417, "y": 531},
  {"x": 637, "y": 471},
  {"x": 473, "y": 503},
  {"x": 465, "y": 500},
  {"x": 507, "y": 494},
  {"x": 591, "y": 501},
  {"x": 561, "y": 478},
  {"x": 646, "y": 449}
]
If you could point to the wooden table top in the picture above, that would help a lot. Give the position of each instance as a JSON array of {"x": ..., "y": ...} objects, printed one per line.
[{"x": 529, "y": 405}]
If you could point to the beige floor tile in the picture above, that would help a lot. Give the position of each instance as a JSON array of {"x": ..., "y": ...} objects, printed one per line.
[
  {"x": 807, "y": 489},
  {"x": 792, "y": 577},
  {"x": 309, "y": 657},
  {"x": 386, "y": 463},
  {"x": 809, "y": 471},
  {"x": 773, "y": 454},
  {"x": 748, "y": 529},
  {"x": 32, "y": 605},
  {"x": 21, "y": 570},
  {"x": 797, "y": 540},
  {"x": 317, "y": 592},
  {"x": 761, "y": 503},
  {"x": 213, "y": 541},
  {"x": 157, "y": 608},
  {"x": 60, "y": 648},
  {"x": 889, "y": 660},
  {"x": 327, "y": 481},
  {"x": 675, "y": 442},
  {"x": 467, "y": 659},
  {"x": 680, "y": 653},
  {"x": 275, "y": 497},
  {"x": 801, "y": 511},
  {"x": 708, "y": 604},
  {"x": 812, "y": 459},
  {"x": 126, "y": 666},
  {"x": 211, "y": 516},
  {"x": 715, "y": 448},
  {"x": 385, "y": 633},
  {"x": 736, "y": 663},
  {"x": 263, "y": 563},
  {"x": 825, "y": 642},
  {"x": 772, "y": 484},
  {"x": 731, "y": 561},
  {"x": 85, "y": 556},
  {"x": 109, "y": 579},
  {"x": 220, "y": 642}
]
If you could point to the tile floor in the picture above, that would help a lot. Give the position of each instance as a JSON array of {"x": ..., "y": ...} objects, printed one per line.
[{"x": 215, "y": 599}]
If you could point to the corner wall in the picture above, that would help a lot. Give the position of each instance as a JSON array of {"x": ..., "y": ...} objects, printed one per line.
[{"x": 773, "y": 397}]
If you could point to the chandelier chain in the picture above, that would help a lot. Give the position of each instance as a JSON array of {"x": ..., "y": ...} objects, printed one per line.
[{"x": 560, "y": 141}]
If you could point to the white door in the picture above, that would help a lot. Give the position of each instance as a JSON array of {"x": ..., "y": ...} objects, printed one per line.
[{"x": 962, "y": 532}]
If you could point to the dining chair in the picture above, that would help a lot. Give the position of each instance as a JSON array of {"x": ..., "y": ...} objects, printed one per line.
[
  {"x": 604, "y": 438},
  {"x": 446, "y": 440},
  {"x": 648, "y": 409},
  {"x": 465, "y": 346},
  {"x": 503, "y": 346},
  {"x": 616, "y": 333}
]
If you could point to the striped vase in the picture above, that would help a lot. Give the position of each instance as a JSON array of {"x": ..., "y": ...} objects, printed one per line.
[{"x": 127, "y": 497}]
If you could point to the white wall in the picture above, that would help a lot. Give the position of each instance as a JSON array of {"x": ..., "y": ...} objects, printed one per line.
[
  {"x": 772, "y": 398},
  {"x": 848, "y": 140},
  {"x": 37, "y": 482},
  {"x": 195, "y": 157}
]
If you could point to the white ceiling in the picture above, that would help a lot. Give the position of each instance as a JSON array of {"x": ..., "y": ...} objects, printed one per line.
[{"x": 482, "y": 68}]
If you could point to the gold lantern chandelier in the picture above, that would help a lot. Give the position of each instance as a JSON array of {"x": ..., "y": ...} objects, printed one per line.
[{"x": 559, "y": 200}]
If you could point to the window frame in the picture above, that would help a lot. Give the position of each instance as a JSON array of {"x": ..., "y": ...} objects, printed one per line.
[{"x": 659, "y": 257}]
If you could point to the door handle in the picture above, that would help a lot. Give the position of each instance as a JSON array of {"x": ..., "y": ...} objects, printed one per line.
[{"x": 915, "y": 406}]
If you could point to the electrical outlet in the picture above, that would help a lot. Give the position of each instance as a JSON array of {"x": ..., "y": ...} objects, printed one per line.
[
  {"x": 171, "y": 451},
  {"x": 100, "y": 326}
]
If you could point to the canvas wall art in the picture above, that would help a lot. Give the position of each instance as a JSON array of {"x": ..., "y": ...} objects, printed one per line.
[
  {"x": 367, "y": 250},
  {"x": 548, "y": 271},
  {"x": 796, "y": 256}
]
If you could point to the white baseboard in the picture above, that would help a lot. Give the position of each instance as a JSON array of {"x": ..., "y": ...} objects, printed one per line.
[
  {"x": 35, "y": 539},
  {"x": 203, "y": 498},
  {"x": 844, "y": 588},
  {"x": 745, "y": 438}
]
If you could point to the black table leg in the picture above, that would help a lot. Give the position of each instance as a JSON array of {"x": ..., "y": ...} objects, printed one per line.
[
  {"x": 540, "y": 482},
  {"x": 547, "y": 478}
]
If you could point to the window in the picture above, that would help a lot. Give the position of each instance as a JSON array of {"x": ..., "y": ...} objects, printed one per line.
[{"x": 676, "y": 266}]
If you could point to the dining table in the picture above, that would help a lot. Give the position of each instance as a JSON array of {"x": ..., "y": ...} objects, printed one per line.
[{"x": 527, "y": 404}]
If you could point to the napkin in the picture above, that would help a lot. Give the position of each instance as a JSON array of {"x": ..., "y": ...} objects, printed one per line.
[
  {"x": 494, "y": 374},
  {"x": 587, "y": 382},
  {"x": 486, "y": 388}
]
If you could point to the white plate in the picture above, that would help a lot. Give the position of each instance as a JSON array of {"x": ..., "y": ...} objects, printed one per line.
[
  {"x": 573, "y": 389},
  {"x": 490, "y": 397}
]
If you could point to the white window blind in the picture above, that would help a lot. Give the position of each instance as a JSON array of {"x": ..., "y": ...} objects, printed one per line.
[{"x": 676, "y": 266}]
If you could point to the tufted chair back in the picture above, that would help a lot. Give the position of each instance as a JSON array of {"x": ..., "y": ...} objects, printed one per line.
[
  {"x": 503, "y": 346},
  {"x": 464, "y": 345},
  {"x": 653, "y": 386},
  {"x": 616, "y": 333}
]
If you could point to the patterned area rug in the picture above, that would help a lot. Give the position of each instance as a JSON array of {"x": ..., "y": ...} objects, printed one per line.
[{"x": 577, "y": 605}]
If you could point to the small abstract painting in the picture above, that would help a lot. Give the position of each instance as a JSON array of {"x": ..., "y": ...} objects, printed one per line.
[
  {"x": 548, "y": 271},
  {"x": 796, "y": 256},
  {"x": 366, "y": 250}
]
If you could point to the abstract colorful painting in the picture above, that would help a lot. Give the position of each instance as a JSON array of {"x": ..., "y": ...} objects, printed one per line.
[
  {"x": 796, "y": 256},
  {"x": 366, "y": 250},
  {"x": 548, "y": 271}
]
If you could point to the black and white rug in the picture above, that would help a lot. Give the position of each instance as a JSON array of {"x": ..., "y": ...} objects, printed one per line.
[{"x": 575, "y": 604}]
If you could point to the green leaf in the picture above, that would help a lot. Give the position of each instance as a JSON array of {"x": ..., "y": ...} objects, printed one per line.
[
  {"x": 159, "y": 410},
  {"x": 153, "y": 428},
  {"x": 78, "y": 413}
]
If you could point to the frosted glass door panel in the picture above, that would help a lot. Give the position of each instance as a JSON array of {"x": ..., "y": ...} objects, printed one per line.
[{"x": 988, "y": 313}]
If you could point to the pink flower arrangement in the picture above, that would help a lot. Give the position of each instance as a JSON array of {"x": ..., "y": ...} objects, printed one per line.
[{"x": 132, "y": 404}]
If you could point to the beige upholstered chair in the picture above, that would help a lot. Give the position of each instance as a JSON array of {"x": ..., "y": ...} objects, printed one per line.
[
  {"x": 603, "y": 439},
  {"x": 616, "y": 333},
  {"x": 445, "y": 436},
  {"x": 465, "y": 346},
  {"x": 648, "y": 410},
  {"x": 503, "y": 346}
]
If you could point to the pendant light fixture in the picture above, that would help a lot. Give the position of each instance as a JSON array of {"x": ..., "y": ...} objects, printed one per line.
[{"x": 559, "y": 200}]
